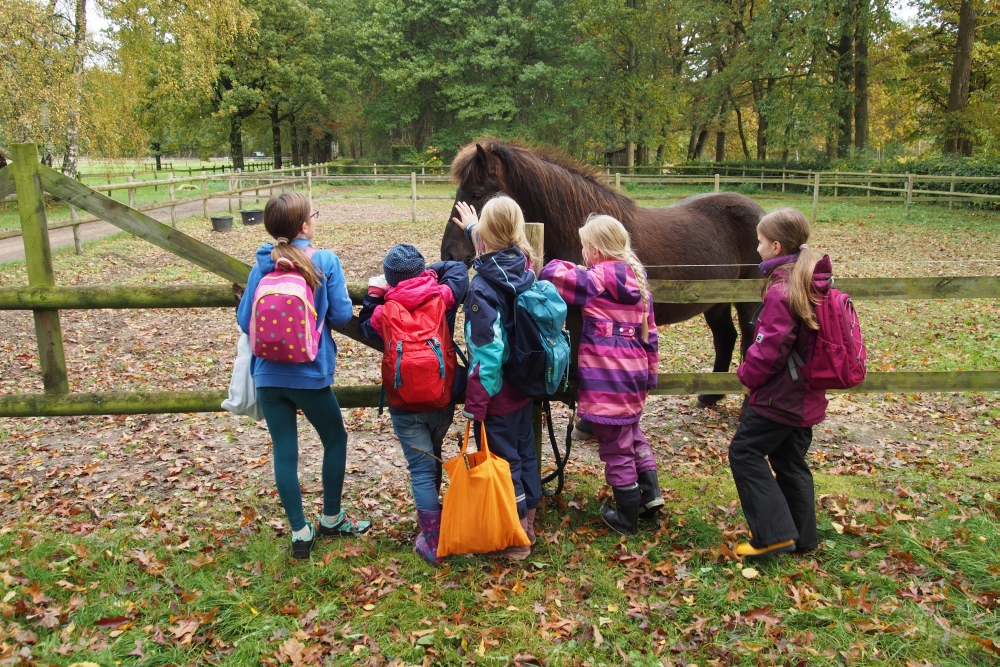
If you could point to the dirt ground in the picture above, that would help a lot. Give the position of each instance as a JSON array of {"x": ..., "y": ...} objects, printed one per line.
[{"x": 159, "y": 455}]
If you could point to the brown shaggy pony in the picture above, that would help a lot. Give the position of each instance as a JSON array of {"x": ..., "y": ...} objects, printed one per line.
[{"x": 714, "y": 232}]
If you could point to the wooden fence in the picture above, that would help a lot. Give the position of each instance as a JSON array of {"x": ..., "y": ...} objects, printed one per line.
[{"x": 45, "y": 299}]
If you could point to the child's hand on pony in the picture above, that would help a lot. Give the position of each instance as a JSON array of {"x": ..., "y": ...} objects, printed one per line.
[{"x": 467, "y": 213}]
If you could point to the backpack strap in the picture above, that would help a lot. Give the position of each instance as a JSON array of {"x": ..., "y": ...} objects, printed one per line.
[{"x": 794, "y": 360}]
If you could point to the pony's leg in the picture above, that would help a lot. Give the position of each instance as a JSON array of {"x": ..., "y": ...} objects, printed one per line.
[
  {"x": 744, "y": 314},
  {"x": 720, "y": 321}
]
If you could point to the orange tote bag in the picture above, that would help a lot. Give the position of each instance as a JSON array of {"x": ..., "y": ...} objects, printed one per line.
[{"x": 479, "y": 513}]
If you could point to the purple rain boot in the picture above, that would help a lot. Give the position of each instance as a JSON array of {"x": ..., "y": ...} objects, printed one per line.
[
  {"x": 426, "y": 543},
  {"x": 529, "y": 528}
]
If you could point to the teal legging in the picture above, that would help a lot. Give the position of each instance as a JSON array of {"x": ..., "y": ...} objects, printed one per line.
[{"x": 320, "y": 407}]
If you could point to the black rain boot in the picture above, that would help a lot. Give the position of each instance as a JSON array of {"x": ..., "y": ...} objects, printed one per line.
[
  {"x": 624, "y": 516},
  {"x": 652, "y": 499}
]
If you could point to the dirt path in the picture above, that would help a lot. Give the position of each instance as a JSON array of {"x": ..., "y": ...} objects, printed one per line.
[{"x": 12, "y": 249}]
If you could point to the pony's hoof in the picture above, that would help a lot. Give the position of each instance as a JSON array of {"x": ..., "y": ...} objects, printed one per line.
[{"x": 708, "y": 400}]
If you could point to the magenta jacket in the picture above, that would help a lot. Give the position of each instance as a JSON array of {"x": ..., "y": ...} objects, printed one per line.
[
  {"x": 616, "y": 368},
  {"x": 776, "y": 391}
]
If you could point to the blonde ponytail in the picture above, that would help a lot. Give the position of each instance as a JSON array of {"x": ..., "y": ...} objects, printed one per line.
[
  {"x": 609, "y": 237},
  {"x": 790, "y": 228},
  {"x": 501, "y": 226}
]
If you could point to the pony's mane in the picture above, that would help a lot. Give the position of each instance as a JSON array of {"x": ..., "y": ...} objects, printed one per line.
[{"x": 554, "y": 183}]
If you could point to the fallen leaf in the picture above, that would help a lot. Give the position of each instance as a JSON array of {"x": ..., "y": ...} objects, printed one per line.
[{"x": 750, "y": 573}]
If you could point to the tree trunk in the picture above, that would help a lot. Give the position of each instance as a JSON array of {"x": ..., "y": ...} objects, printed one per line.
[
  {"x": 702, "y": 143},
  {"x": 276, "y": 136},
  {"x": 861, "y": 32},
  {"x": 629, "y": 153},
  {"x": 958, "y": 95},
  {"x": 236, "y": 142},
  {"x": 660, "y": 151},
  {"x": 843, "y": 78},
  {"x": 73, "y": 128},
  {"x": 720, "y": 146},
  {"x": 739, "y": 127},
  {"x": 293, "y": 132},
  {"x": 693, "y": 141},
  {"x": 761, "y": 136}
]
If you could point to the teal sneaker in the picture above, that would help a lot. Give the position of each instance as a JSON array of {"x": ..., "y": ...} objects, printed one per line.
[{"x": 345, "y": 526}]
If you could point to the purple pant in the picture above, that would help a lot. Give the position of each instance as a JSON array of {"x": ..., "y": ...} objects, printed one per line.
[{"x": 625, "y": 452}]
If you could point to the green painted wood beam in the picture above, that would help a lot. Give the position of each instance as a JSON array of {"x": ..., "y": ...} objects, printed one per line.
[
  {"x": 144, "y": 227},
  {"x": 140, "y": 403},
  {"x": 732, "y": 291},
  {"x": 91, "y": 297},
  {"x": 129, "y": 403},
  {"x": 84, "y": 297},
  {"x": 38, "y": 259},
  {"x": 876, "y": 383}
]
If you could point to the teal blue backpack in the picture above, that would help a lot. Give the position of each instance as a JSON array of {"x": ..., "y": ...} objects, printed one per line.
[{"x": 538, "y": 365}]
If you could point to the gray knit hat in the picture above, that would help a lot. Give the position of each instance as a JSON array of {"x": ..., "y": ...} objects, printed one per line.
[{"x": 403, "y": 262}]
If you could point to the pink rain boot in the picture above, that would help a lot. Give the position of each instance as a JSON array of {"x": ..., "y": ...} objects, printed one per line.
[{"x": 426, "y": 543}]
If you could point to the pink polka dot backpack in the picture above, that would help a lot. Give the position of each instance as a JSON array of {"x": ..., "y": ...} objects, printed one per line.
[{"x": 284, "y": 328}]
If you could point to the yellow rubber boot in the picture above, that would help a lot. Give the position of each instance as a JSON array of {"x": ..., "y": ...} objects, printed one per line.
[{"x": 747, "y": 551}]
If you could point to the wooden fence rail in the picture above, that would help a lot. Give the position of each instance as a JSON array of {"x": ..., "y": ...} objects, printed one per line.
[{"x": 45, "y": 299}]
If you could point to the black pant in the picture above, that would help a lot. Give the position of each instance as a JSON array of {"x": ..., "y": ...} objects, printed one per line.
[{"x": 779, "y": 506}]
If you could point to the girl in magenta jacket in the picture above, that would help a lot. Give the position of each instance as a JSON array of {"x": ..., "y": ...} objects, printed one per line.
[
  {"x": 778, "y": 416},
  {"x": 617, "y": 363}
]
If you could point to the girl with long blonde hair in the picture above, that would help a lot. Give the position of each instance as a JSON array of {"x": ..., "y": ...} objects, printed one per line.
[
  {"x": 617, "y": 363},
  {"x": 503, "y": 269}
]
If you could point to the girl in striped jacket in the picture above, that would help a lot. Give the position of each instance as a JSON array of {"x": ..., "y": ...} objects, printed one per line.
[{"x": 617, "y": 363}]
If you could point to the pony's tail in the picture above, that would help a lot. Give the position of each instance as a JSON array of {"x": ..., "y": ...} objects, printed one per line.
[
  {"x": 285, "y": 251},
  {"x": 801, "y": 297}
]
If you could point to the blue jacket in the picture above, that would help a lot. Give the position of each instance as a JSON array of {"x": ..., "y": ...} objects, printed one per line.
[
  {"x": 333, "y": 307},
  {"x": 489, "y": 318}
]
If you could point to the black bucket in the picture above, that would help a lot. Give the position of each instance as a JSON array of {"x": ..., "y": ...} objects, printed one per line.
[
  {"x": 253, "y": 216},
  {"x": 222, "y": 223}
]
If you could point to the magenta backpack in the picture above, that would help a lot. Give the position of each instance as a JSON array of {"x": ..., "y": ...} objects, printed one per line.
[
  {"x": 839, "y": 359},
  {"x": 284, "y": 328}
]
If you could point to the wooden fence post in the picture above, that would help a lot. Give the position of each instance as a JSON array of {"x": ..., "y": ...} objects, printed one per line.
[
  {"x": 868, "y": 190},
  {"x": 77, "y": 238},
  {"x": 204, "y": 194},
  {"x": 909, "y": 192},
  {"x": 131, "y": 193},
  {"x": 716, "y": 184},
  {"x": 782, "y": 181},
  {"x": 229, "y": 194},
  {"x": 423, "y": 181},
  {"x": 413, "y": 195},
  {"x": 309, "y": 186},
  {"x": 951, "y": 200},
  {"x": 815, "y": 196},
  {"x": 173, "y": 207},
  {"x": 535, "y": 233},
  {"x": 618, "y": 181},
  {"x": 38, "y": 259}
]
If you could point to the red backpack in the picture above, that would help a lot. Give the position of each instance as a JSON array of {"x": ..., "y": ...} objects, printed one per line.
[
  {"x": 418, "y": 365},
  {"x": 839, "y": 359}
]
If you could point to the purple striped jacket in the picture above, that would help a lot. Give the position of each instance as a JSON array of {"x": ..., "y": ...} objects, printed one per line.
[{"x": 615, "y": 367}]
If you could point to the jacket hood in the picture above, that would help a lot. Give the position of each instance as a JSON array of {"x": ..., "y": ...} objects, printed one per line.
[
  {"x": 823, "y": 275},
  {"x": 506, "y": 271},
  {"x": 620, "y": 281},
  {"x": 264, "y": 260},
  {"x": 412, "y": 292},
  {"x": 822, "y": 278}
]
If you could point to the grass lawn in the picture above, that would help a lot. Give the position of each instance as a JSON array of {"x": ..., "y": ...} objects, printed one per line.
[{"x": 159, "y": 540}]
